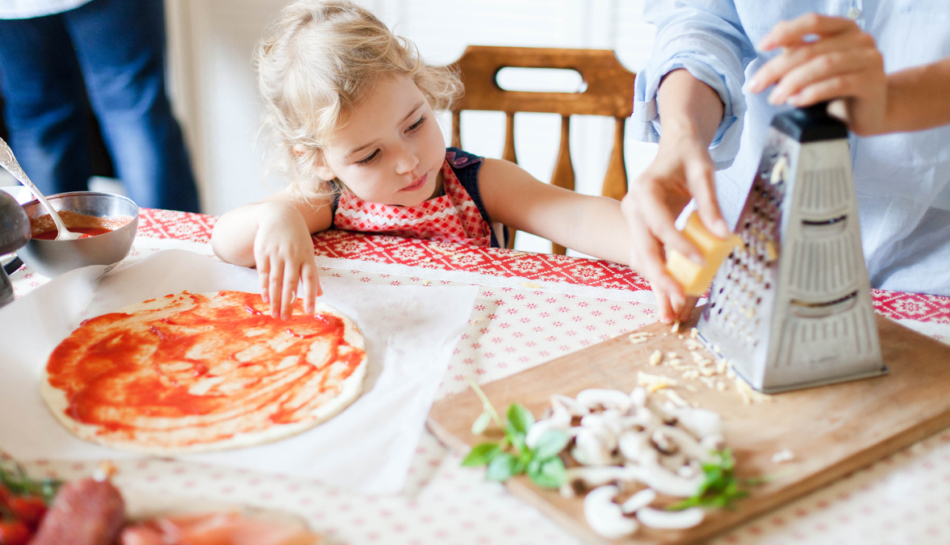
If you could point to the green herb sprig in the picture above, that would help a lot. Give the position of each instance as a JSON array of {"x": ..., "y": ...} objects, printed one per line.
[
  {"x": 15, "y": 479},
  {"x": 542, "y": 464},
  {"x": 720, "y": 488}
]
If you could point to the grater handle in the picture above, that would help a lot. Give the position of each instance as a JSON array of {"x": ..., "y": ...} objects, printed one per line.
[{"x": 810, "y": 124}]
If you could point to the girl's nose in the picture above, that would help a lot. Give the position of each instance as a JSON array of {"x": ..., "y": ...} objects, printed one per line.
[{"x": 407, "y": 161}]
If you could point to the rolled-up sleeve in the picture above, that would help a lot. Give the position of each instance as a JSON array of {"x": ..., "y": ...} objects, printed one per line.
[{"x": 705, "y": 38}]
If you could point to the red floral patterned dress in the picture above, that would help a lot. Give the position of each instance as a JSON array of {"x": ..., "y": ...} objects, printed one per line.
[{"x": 455, "y": 216}]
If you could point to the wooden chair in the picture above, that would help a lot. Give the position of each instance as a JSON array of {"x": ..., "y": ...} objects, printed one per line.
[{"x": 609, "y": 92}]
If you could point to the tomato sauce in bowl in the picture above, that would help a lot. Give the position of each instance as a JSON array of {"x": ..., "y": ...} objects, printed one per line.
[{"x": 43, "y": 228}]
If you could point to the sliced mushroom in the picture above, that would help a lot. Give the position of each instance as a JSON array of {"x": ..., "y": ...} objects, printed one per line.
[
  {"x": 595, "y": 447},
  {"x": 638, "y": 501},
  {"x": 578, "y": 480},
  {"x": 664, "y": 481},
  {"x": 570, "y": 404},
  {"x": 631, "y": 443},
  {"x": 700, "y": 422},
  {"x": 560, "y": 420},
  {"x": 662, "y": 442},
  {"x": 596, "y": 398},
  {"x": 639, "y": 397},
  {"x": 604, "y": 516},
  {"x": 670, "y": 520},
  {"x": 685, "y": 443}
]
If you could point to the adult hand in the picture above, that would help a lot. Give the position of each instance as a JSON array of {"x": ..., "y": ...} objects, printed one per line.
[
  {"x": 283, "y": 253},
  {"x": 843, "y": 63},
  {"x": 681, "y": 170}
]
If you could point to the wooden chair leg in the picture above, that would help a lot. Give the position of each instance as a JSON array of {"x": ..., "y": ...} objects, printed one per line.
[
  {"x": 509, "y": 155},
  {"x": 563, "y": 175},
  {"x": 615, "y": 181}
]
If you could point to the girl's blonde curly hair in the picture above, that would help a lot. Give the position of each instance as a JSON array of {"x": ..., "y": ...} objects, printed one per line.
[{"x": 321, "y": 59}]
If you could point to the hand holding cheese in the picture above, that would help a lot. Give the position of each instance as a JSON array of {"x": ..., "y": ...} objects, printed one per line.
[{"x": 696, "y": 278}]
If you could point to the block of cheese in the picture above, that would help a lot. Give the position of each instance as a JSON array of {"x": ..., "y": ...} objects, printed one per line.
[{"x": 694, "y": 278}]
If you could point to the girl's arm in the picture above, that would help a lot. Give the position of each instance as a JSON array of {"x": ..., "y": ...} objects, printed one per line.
[
  {"x": 274, "y": 236},
  {"x": 591, "y": 225}
]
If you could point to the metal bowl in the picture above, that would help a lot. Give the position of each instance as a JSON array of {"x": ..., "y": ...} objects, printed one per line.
[{"x": 54, "y": 257}]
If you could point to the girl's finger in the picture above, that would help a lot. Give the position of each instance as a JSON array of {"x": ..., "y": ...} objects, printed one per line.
[
  {"x": 276, "y": 288},
  {"x": 263, "y": 276},
  {"x": 310, "y": 282},
  {"x": 289, "y": 291},
  {"x": 796, "y": 32}
]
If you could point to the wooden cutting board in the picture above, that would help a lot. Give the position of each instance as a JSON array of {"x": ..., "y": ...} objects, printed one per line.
[{"x": 831, "y": 430}]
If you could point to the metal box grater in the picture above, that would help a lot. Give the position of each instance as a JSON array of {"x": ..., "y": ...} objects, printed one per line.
[{"x": 791, "y": 307}]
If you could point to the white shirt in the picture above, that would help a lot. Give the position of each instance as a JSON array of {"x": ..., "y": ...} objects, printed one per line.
[
  {"x": 25, "y": 9},
  {"x": 901, "y": 179}
]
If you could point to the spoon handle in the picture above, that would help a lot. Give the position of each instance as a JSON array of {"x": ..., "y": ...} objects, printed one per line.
[{"x": 9, "y": 162}]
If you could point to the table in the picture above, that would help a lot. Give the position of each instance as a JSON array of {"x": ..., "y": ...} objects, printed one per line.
[{"x": 531, "y": 308}]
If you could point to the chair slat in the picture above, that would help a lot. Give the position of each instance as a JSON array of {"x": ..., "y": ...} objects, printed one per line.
[
  {"x": 457, "y": 129},
  {"x": 563, "y": 175},
  {"x": 615, "y": 181},
  {"x": 509, "y": 153}
]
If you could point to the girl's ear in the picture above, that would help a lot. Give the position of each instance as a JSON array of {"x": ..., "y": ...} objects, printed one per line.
[{"x": 322, "y": 169}]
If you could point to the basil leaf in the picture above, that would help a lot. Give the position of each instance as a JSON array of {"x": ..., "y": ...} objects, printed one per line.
[
  {"x": 501, "y": 467},
  {"x": 551, "y": 443},
  {"x": 547, "y": 473},
  {"x": 481, "y": 454},
  {"x": 478, "y": 427},
  {"x": 520, "y": 418}
]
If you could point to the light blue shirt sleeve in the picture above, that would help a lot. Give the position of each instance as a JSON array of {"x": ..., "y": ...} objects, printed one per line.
[{"x": 706, "y": 38}]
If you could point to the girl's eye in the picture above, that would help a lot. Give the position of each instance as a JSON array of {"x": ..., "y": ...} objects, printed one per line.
[
  {"x": 417, "y": 124},
  {"x": 368, "y": 159}
]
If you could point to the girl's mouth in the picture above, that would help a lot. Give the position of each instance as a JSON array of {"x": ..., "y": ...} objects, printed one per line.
[{"x": 416, "y": 185}]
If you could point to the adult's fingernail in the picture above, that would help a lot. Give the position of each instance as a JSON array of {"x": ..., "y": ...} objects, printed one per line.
[
  {"x": 720, "y": 228},
  {"x": 774, "y": 98}
]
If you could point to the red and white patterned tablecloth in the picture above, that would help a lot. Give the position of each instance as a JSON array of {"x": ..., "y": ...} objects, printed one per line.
[{"x": 531, "y": 308}]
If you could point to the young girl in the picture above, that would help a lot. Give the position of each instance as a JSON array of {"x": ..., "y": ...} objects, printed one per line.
[{"x": 352, "y": 108}]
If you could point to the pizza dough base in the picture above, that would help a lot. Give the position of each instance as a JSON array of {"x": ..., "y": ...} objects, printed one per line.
[{"x": 352, "y": 386}]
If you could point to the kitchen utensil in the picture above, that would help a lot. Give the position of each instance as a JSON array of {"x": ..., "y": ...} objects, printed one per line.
[
  {"x": 9, "y": 162},
  {"x": 791, "y": 307},
  {"x": 830, "y": 431},
  {"x": 14, "y": 233},
  {"x": 53, "y": 257}
]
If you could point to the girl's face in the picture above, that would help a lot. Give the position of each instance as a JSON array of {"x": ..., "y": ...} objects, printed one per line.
[{"x": 391, "y": 149}]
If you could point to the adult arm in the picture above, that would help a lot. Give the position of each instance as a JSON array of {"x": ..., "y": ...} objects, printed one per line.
[{"x": 689, "y": 98}]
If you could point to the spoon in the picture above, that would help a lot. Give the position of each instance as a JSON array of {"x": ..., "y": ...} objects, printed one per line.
[{"x": 9, "y": 162}]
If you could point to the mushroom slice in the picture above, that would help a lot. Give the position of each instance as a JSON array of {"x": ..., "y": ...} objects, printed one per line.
[
  {"x": 639, "y": 397},
  {"x": 560, "y": 420},
  {"x": 700, "y": 422},
  {"x": 664, "y": 481},
  {"x": 578, "y": 480},
  {"x": 670, "y": 520},
  {"x": 604, "y": 516},
  {"x": 687, "y": 444},
  {"x": 594, "y": 447},
  {"x": 570, "y": 404},
  {"x": 631, "y": 443},
  {"x": 596, "y": 398},
  {"x": 638, "y": 501}
]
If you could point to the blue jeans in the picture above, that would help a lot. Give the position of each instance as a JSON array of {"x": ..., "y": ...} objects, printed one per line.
[{"x": 116, "y": 48}]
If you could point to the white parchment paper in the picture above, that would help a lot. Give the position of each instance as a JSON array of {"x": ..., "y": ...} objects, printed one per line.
[{"x": 410, "y": 334}]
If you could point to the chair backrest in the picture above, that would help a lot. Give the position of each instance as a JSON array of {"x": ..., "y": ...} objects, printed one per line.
[{"x": 608, "y": 92}]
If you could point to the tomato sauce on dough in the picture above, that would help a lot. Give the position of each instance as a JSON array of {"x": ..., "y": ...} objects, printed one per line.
[{"x": 189, "y": 368}]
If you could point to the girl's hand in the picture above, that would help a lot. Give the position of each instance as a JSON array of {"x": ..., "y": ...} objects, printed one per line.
[
  {"x": 843, "y": 63},
  {"x": 283, "y": 252},
  {"x": 681, "y": 170}
]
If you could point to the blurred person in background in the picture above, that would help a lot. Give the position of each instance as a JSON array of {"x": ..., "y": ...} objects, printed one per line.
[{"x": 50, "y": 50}]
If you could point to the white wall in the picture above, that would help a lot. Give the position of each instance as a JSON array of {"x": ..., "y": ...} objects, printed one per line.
[{"x": 211, "y": 43}]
